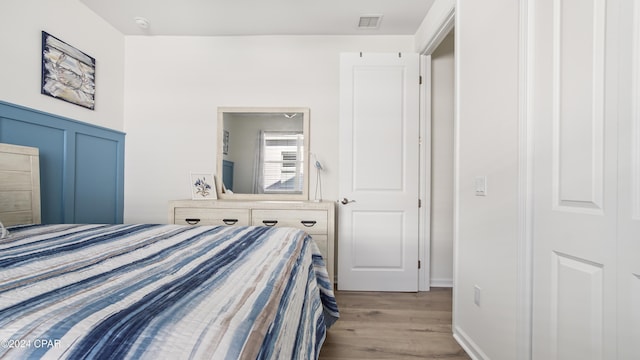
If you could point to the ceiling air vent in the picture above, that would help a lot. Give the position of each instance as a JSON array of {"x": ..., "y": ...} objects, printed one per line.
[{"x": 369, "y": 22}]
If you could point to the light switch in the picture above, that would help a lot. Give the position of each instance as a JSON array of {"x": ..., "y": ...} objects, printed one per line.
[{"x": 481, "y": 185}]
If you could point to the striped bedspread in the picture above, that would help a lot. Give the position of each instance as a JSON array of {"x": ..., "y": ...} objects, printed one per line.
[{"x": 162, "y": 292}]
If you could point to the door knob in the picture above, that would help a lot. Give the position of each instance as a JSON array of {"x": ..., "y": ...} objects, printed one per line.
[{"x": 345, "y": 201}]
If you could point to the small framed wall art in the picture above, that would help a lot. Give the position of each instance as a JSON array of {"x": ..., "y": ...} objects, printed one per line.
[
  {"x": 67, "y": 73},
  {"x": 203, "y": 186},
  {"x": 225, "y": 143}
]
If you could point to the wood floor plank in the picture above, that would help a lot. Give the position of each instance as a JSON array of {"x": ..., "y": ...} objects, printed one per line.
[{"x": 393, "y": 326}]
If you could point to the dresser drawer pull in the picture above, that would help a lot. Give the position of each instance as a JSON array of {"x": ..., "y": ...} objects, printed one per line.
[
  {"x": 269, "y": 222},
  {"x": 230, "y": 221},
  {"x": 192, "y": 221},
  {"x": 308, "y": 223}
]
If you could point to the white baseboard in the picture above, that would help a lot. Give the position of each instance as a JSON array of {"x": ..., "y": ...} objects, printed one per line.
[
  {"x": 447, "y": 283},
  {"x": 468, "y": 345}
]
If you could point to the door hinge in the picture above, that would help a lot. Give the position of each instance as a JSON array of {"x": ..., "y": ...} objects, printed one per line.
[
  {"x": 420, "y": 80},
  {"x": 419, "y": 264},
  {"x": 419, "y": 203}
]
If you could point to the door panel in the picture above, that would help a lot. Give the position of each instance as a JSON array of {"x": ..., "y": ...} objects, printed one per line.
[
  {"x": 576, "y": 302},
  {"x": 377, "y": 140},
  {"x": 578, "y": 129},
  {"x": 379, "y": 178},
  {"x": 375, "y": 240},
  {"x": 575, "y": 180}
]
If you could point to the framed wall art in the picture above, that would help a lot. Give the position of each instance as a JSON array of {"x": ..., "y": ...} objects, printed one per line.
[
  {"x": 67, "y": 73},
  {"x": 225, "y": 143},
  {"x": 203, "y": 186}
]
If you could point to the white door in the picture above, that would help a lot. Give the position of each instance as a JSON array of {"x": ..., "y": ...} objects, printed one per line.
[
  {"x": 629, "y": 187},
  {"x": 575, "y": 179},
  {"x": 379, "y": 172}
]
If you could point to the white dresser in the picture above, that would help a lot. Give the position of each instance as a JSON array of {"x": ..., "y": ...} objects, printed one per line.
[{"x": 316, "y": 218}]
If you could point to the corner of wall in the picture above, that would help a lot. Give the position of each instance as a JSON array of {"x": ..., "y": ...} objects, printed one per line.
[{"x": 435, "y": 26}]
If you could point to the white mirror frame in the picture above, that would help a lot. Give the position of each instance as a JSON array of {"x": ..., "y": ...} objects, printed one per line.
[{"x": 305, "y": 125}]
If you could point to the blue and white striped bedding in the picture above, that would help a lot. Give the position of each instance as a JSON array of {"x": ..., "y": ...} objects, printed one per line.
[{"x": 162, "y": 292}]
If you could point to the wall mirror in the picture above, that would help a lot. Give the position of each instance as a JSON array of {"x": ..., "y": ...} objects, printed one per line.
[{"x": 263, "y": 153}]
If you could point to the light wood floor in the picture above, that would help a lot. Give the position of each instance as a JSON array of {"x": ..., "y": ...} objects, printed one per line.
[{"x": 392, "y": 326}]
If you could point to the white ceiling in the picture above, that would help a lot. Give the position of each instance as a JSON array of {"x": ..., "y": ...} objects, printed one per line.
[{"x": 261, "y": 17}]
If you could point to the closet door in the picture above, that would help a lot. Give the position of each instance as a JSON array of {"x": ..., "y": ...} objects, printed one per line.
[
  {"x": 629, "y": 185},
  {"x": 379, "y": 172},
  {"x": 575, "y": 103}
]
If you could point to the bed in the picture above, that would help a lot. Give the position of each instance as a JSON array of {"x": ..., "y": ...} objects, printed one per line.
[{"x": 158, "y": 291}]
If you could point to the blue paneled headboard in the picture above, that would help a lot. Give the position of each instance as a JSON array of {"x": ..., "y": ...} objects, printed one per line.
[{"x": 81, "y": 165}]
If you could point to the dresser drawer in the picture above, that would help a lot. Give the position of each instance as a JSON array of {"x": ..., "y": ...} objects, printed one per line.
[
  {"x": 311, "y": 221},
  {"x": 204, "y": 216},
  {"x": 315, "y": 218}
]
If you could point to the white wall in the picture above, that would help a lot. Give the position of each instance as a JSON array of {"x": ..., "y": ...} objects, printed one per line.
[
  {"x": 175, "y": 84},
  {"x": 21, "y": 24},
  {"x": 487, "y": 53},
  {"x": 442, "y": 118},
  {"x": 486, "y": 136}
]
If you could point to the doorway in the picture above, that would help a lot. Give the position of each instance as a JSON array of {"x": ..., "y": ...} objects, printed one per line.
[{"x": 442, "y": 96}]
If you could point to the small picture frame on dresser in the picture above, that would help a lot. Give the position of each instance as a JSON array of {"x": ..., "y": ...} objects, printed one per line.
[{"x": 203, "y": 186}]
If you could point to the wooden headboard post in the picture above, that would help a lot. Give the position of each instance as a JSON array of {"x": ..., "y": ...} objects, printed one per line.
[{"x": 19, "y": 185}]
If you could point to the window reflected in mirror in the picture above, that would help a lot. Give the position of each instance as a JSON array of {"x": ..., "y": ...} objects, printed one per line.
[{"x": 281, "y": 163}]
